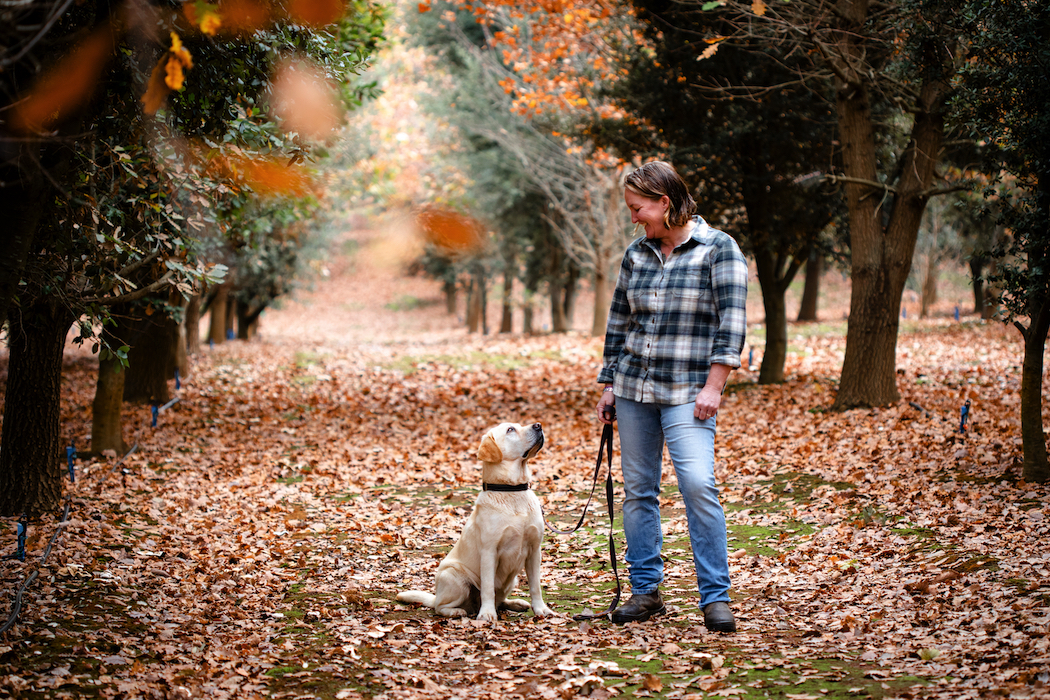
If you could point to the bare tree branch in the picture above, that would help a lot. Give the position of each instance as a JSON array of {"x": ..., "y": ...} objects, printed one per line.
[{"x": 132, "y": 296}]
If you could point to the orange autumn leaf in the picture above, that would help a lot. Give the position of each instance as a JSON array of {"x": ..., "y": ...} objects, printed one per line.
[
  {"x": 652, "y": 683},
  {"x": 315, "y": 13},
  {"x": 758, "y": 7},
  {"x": 268, "y": 177},
  {"x": 156, "y": 89},
  {"x": 68, "y": 84},
  {"x": 209, "y": 21},
  {"x": 449, "y": 229},
  {"x": 173, "y": 75},
  {"x": 245, "y": 15},
  {"x": 423, "y": 7}
]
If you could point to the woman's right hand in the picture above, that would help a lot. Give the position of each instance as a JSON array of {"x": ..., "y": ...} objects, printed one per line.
[{"x": 607, "y": 408}]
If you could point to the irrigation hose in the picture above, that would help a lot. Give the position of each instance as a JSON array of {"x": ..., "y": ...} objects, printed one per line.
[{"x": 17, "y": 607}]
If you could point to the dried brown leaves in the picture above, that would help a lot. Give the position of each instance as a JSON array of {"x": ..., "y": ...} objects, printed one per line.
[{"x": 254, "y": 542}]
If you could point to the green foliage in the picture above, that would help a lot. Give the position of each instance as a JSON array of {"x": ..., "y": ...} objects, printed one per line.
[{"x": 1001, "y": 100}]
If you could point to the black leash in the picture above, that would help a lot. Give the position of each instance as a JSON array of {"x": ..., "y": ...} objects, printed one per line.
[{"x": 606, "y": 447}]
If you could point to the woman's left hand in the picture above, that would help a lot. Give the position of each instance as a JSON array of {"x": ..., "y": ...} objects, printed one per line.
[
  {"x": 710, "y": 397},
  {"x": 706, "y": 404}
]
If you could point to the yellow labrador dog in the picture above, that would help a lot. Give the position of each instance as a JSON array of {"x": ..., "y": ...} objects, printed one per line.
[{"x": 502, "y": 535}]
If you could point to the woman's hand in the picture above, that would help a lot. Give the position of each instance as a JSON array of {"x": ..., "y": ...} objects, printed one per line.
[
  {"x": 710, "y": 397},
  {"x": 607, "y": 408},
  {"x": 707, "y": 403}
]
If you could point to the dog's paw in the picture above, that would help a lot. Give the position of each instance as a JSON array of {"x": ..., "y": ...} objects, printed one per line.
[
  {"x": 543, "y": 611},
  {"x": 515, "y": 605},
  {"x": 487, "y": 615}
]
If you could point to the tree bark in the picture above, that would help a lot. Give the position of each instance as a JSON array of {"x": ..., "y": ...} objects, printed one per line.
[
  {"x": 192, "y": 326},
  {"x": 21, "y": 207},
  {"x": 881, "y": 258},
  {"x": 929, "y": 287},
  {"x": 774, "y": 284},
  {"x": 506, "y": 324},
  {"x": 557, "y": 295},
  {"x": 151, "y": 359},
  {"x": 1033, "y": 439},
  {"x": 31, "y": 471},
  {"x": 571, "y": 293},
  {"x": 247, "y": 321},
  {"x": 977, "y": 280},
  {"x": 217, "y": 315},
  {"x": 106, "y": 417},
  {"x": 807, "y": 310},
  {"x": 476, "y": 304},
  {"x": 450, "y": 296},
  {"x": 532, "y": 283}
]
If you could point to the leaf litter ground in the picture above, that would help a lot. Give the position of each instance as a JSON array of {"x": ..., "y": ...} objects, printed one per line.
[{"x": 252, "y": 544}]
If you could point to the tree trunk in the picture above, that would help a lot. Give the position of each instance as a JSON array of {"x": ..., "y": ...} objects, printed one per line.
[
  {"x": 106, "y": 418},
  {"x": 192, "y": 327},
  {"x": 22, "y": 209},
  {"x": 602, "y": 299},
  {"x": 881, "y": 258},
  {"x": 476, "y": 304},
  {"x": 217, "y": 315},
  {"x": 449, "y": 286},
  {"x": 31, "y": 472},
  {"x": 532, "y": 281},
  {"x": 571, "y": 292},
  {"x": 990, "y": 297},
  {"x": 1033, "y": 439},
  {"x": 977, "y": 280},
  {"x": 557, "y": 295},
  {"x": 774, "y": 286},
  {"x": 247, "y": 321},
  {"x": 774, "y": 355},
  {"x": 231, "y": 318},
  {"x": 929, "y": 287},
  {"x": 151, "y": 359},
  {"x": 807, "y": 310},
  {"x": 506, "y": 324}
]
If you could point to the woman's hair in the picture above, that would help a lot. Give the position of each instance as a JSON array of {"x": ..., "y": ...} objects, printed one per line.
[{"x": 656, "y": 179}]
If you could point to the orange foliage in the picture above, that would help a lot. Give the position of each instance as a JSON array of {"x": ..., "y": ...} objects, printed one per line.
[
  {"x": 315, "y": 13},
  {"x": 264, "y": 176},
  {"x": 68, "y": 85},
  {"x": 167, "y": 75},
  {"x": 156, "y": 90},
  {"x": 450, "y": 230},
  {"x": 243, "y": 15},
  {"x": 562, "y": 65}
]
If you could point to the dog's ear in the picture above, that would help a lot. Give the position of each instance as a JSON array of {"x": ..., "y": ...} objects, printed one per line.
[{"x": 489, "y": 451}]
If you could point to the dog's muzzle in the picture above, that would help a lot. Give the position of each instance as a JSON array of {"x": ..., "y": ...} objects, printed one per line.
[{"x": 537, "y": 432}]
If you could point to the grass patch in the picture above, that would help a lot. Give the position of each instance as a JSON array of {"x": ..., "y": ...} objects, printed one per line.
[{"x": 503, "y": 362}]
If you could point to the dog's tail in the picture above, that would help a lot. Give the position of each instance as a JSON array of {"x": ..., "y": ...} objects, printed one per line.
[{"x": 421, "y": 597}]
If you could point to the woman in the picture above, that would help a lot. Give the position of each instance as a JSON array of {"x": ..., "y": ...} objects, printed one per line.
[{"x": 675, "y": 331}]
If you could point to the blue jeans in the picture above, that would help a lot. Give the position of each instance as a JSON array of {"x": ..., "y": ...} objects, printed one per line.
[{"x": 643, "y": 428}]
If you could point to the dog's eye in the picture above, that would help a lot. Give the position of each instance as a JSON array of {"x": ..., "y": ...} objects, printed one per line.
[{"x": 512, "y": 430}]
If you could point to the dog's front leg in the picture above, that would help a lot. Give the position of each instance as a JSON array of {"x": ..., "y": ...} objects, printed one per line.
[
  {"x": 487, "y": 582},
  {"x": 532, "y": 570}
]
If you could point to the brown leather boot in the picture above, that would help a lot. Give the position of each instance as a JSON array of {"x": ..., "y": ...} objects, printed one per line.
[
  {"x": 719, "y": 618},
  {"x": 639, "y": 608}
]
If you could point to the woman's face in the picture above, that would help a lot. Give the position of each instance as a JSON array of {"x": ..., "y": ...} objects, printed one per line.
[{"x": 649, "y": 212}]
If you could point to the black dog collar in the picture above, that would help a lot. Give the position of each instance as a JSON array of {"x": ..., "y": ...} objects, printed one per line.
[{"x": 504, "y": 487}]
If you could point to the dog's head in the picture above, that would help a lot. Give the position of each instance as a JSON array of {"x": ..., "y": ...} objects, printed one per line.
[{"x": 505, "y": 450}]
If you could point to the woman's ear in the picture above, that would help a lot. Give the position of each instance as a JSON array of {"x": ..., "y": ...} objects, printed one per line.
[{"x": 489, "y": 451}]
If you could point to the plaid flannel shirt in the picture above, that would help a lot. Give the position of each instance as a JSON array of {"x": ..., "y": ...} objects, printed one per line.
[{"x": 670, "y": 320}]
